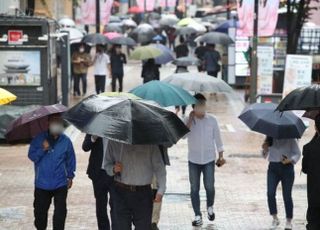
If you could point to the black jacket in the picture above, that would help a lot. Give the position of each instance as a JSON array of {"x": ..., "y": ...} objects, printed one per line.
[
  {"x": 310, "y": 166},
  {"x": 94, "y": 170}
]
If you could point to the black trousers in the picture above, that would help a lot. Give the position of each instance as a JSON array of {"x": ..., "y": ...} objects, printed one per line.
[
  {"x": 313, "y": 218},
  {"x": 116, "y": 77},
  {"x": 77, "y": 78},
  {"x": 100, "y": 82},
  {"x": 133, "y": 207},
  {"x": 42, "y": 201},
  {"x": 103, "y": 189},
  {"x": 213, "y": 73}
]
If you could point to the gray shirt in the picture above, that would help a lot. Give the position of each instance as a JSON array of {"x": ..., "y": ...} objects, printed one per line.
[{"x": 140, "y": 163}]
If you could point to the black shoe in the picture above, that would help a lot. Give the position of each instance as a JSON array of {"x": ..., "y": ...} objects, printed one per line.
[
  {"x": 154, "y": 226},
  {"x": 197, "y": 221},
  {"x": 211, "y": 215}
]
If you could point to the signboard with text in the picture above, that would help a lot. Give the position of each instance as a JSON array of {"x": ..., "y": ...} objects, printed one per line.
[{"x": 265, "y": 69}]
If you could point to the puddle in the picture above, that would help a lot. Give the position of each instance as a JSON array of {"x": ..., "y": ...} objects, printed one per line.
[{"x": 12, "y": 213}]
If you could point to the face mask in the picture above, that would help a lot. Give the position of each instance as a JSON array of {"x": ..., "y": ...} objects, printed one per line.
[
  {"x": 81, "y": 50},
  {"x": 56, "y": 128},
  {"x": 200, "y": 110}
]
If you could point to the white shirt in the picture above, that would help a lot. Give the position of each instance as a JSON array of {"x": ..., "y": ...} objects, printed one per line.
[
  {"x": 101, "y": 62},
  {"x": 204, "y": 140}
]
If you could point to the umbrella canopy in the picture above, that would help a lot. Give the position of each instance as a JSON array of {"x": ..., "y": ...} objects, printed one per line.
[
  {"x": 129, "y": 23},
  {"x": 186, "y": 30},
  {"x": 114, "y": 27},
  {"x": 75, "y": 35},
  {"x": 186, "y": 61},
  {"x": 157, "y": 38},
  {"x": 114, "y": 18},
  {"x": 215, "y": 38},
  {"x": 198, "y": 27},
  {"x": 6, "y": 97},
  {"x": 121, "y": 95},
  {"x": 127, "y": 121},
  {"x": 145, "y": 52},
  {"x": 199, "y": 82},
  {"x": 126, "y": 41},
  {"x": 186, "y": 21},
  {"x": 304, "y": 98},
  {"x": 112, "y": 35},
  {"x": 168, "y": 20},
  {"x": 164, "y": 94},
  {"x": 95, "y": 39},
  {"x": 66, "y": 23},
  {"x": 135, "y": 10},
  {"x": 143, "y": 33},
  {"x": 224, "y": 26},
  {"x": 32, "y": 123},
  {"x": 262, "y": 118},
  {"x": 166, "y": 56}
]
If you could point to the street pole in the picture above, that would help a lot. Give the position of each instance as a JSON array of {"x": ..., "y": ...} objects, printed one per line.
[
  {"x": 98, "y": 16},
  {"x": 228, "y": 9},
  {"x": 254, "y": 57}
]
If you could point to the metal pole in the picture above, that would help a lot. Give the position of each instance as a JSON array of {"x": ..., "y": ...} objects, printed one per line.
[
  {"x": 98, "y": 16},
  {"x": 228, "y": 9},
  {"x": 254, "y": 57}
]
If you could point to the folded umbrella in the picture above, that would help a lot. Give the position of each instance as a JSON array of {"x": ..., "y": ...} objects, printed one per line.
[
  {"x": 32, "y": 123},
  {"x": 186, "y": 61},
  {"x": 215, "y": 38},
  {"x": 199, "y": 82},
  {"x": 145, "y": 52},
  {"x": 166, "y": 56},
  {"x": 304, "y": 98},
  {"x": 95, "y": 39},
  {"x": 164, "y": 94},
  {"x": 6, "y": 97},
  {"x": 127, "y": 121},
  {"x": 262, "y": 118}
]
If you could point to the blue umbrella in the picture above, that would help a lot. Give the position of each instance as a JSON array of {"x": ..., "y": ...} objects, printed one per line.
[
  {"x": 164, "y": 94},
  {"x": 158, "y": 38},
  {"x": 167, "y": 55},
  {"x": 262, "y": 118},
  {"x": 224, "y": 26}
]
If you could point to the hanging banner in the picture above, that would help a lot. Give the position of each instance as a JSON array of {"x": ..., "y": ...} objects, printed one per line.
[
  {"x": 298, "y": 72},
  {"x": 265, "y": 69},
  {"x": 149, "y": 4},
  {"x": 167, "y": 3},
  {"x": 268, "y": 17},
  {"x": 88, "y": 11}
]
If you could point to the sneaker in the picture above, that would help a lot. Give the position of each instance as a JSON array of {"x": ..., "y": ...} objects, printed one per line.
[
  {"x": 275, "y": 223},
  {"x": 197, "y": 221},
  {"x": 288, "y": 226},
  {"x": 154, "y": 226},
  {"x": 211, "y": 215}
]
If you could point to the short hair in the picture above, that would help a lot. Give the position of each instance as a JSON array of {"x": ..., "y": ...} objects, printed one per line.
[
  {"x": 181, "y": 39},
  {"x": 317, "y": 122},
  {"x": 200, "y": 98}
]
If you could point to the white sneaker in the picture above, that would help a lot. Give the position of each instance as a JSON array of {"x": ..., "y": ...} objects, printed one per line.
[
  {"x": 197, "y": 221},
  {"x": 275, "y": 223},
  {"x": 211, "y": 215},
  {"x": 288, "y": 226}
]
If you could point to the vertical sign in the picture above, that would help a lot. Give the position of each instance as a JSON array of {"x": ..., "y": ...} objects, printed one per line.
[{"x": 265, "y": 69}]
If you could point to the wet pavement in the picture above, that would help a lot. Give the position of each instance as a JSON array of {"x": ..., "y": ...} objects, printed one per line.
[{"x": 240, "y": 185}]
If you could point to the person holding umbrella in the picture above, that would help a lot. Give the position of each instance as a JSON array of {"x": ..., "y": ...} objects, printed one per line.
[
  {"x": 200, "y": 52},
  {"x": 117, "y": 60},
  {"x": 310, "y": 166},
  {"x": 282, "y": 155},
  {"x": 54, "y": 162},
  {"x": 204, "y": 140},
  {"x": 102, "y": 67},
  {"x": 150, "y": 71}
]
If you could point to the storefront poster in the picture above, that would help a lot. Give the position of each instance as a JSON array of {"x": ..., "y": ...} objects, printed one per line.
[
  {"x": 20, "y": 68},
  {"x": 298, "y": 72},
  {"x": 265, "y": 69}
]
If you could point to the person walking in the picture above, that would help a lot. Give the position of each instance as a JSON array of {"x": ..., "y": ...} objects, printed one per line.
[
  {"x": 81, "y": 61},
  {"x": 150, "y": 71},
  {"x": 118, "y": 59},
  {"x": 310, "y": 166},
  {"x": 204, "y": 141},
  {"x": 133, "y": 167},
  {"x": 101, "y": 181},
  {"x": 101, "y": 64},
  {"x": 171, "y": 34},
  {"x": 211, "y": 61},
  {"x": 282, "y": 155},
  {"x": 200, "y": 52},
  {"x": 54, "y": 163}
]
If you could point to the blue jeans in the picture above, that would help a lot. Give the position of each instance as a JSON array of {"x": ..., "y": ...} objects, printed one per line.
[
  {"x": 195, "y": 171},
  {"x": 278, "y": 172}
]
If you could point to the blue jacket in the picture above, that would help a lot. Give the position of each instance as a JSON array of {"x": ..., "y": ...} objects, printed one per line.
[{"x": 55, "y": 166}]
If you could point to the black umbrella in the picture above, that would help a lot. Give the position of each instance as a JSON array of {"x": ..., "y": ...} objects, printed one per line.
[
  {"x": 262, "y": 118},
  {"x": 114, "y": 27},
  {"x": 143, "y": 33},
  {"x": 125, "y": 120},
  {"x": 95, "y": 39},
  {"x": 215, "y": 38},
  {"x": 186, "y": 61},
  {"x": 304, "y": 98},
  {"x": 123, "y": 41}
]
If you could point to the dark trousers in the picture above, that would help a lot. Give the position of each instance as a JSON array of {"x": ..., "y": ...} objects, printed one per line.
[
  {"x": 133, "y": 207},
  {"x": 100, "y": 81},
  {"x": 116, "y": 77},
  {"x": 76, "y": 84},
  {"x": 103, "y": 188},
  {"x": 42, "y": 201},
  {"x": 313, "y": 218},
  {"x": 184, "y": 108},
  {"x": 278, "y": 172},
  {"x": 195, "y": 171},
  {"x": 213, "y": 73}
]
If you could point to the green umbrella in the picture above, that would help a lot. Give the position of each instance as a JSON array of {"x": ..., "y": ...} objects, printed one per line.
[
  {"x": 164, "y": 93},
  {"x": 145, "y": 52}
]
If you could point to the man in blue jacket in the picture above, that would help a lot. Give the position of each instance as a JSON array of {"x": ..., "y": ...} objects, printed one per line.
[{"x": 54, "y": 162}]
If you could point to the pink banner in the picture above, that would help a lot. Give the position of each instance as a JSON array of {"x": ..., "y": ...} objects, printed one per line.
[
  {"x": 167, "y": 3},
  {"x": 150, "y": 4},
  {"x": 267, "y": 21},
  {"x": 88, "y": 11}
]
